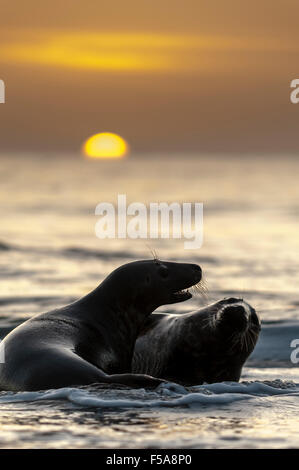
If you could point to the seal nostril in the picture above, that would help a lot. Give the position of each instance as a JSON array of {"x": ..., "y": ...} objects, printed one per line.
[
  {"x": 197, "y": 270},
  {"x": 235, "y": 310},
  {"x": 196, "y": 267},
  {"x": 235, "y": 315},
  {"x": 232, "y": 300}
]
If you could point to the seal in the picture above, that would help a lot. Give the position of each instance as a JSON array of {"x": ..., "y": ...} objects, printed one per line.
[
  {"x": 207, "y": 345},
  {"x": 92, "y": 340}
]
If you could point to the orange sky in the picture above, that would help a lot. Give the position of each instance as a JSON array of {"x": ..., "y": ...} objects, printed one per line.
[{"x": 166, "y": 75}]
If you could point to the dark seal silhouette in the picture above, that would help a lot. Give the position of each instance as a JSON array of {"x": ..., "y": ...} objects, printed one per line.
[
  {"x": 92, "y": 340},
  {"x": 208, "y": 345}
]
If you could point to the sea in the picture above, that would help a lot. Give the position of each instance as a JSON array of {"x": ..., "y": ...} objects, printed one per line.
[{"x": 50, "y": 256}]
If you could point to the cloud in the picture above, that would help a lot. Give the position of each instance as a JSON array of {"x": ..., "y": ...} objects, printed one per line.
[{"x": 128, "y": 51}]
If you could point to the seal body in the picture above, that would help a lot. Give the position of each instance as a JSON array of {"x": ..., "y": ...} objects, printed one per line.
[
  {"x": 92, "y": 340},
  {"x": 207, "y": 345}
]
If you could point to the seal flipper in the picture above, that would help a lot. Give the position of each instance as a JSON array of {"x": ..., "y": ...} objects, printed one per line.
[{"x": 135, "y": 380}]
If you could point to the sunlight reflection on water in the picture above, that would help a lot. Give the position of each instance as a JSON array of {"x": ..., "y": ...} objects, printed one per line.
[{"x": 49, "y": 256}]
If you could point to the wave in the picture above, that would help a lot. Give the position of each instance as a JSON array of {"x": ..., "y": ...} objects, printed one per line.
[
  {"x": 5, "y": 246},
  {"x": 90, "y": 253},
  {"x": 73, "y": 251},
  {"x": 166, "y": 395},
  {"x": 103, "y": 254},
  {"x": 41, "y": 300},
  {"x": 87, "y": 253}
]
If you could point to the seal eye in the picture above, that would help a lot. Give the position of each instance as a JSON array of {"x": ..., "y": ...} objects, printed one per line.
[{"x": 163, "y": 271}]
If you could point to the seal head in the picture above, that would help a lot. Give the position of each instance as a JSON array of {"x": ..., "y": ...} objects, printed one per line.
[
  {"x": 208, "y": 345},
  {"x": 150, "y": 284}
]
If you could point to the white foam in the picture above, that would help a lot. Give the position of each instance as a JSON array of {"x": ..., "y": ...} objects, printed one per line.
[
  {"x": 169, "y": 395},
  {"x": 253, "y": 388}
]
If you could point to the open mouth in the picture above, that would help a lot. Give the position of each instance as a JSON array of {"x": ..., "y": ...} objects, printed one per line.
[
  {"x": 181, "y": 295},
  {"x": 181, "y": 288}
]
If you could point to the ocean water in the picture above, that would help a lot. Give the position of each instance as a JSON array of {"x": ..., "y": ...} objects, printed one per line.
[{"x": 50, "y": 256}]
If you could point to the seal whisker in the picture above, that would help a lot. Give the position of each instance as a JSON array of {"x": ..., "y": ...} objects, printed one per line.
[
  {"x": 235, "y": 339},
  {"x": 153, "y": 252},
  {"x": 251, "y": 341},
  {"x": 199, "y": 289},
  {"x": 252, "y": 338},
  {"x": 206, "y": 323},
  {"x": 248, "y": 337},
  {"x": 246, "y": 342}
]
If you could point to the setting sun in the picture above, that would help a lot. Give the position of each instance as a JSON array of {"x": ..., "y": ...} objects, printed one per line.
[{"x": 105, "y": 145}]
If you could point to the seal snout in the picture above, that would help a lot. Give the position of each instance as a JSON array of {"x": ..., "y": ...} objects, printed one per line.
[
  {"x": 235, "y": 316},
  {"x": 182, "y": 277},
  {"x": 197, "y": 272},
  {"x": 193, "y": 275}
]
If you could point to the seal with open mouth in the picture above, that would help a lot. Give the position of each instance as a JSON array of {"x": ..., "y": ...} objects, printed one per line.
[
  {"x": 92, "y": 340},
  {"x": 208, "y": 345}
]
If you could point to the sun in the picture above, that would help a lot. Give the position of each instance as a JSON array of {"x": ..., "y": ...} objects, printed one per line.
[{"x": 105, "y": 145}]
